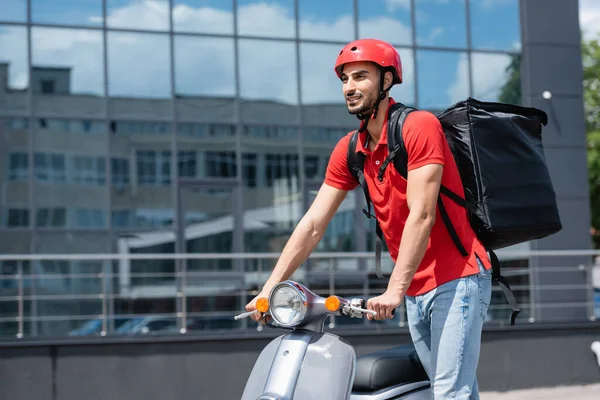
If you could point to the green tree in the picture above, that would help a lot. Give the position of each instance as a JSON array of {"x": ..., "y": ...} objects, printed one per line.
[
  {"x": 511, "y": 91},
  {"x": 591, "y": 87}
]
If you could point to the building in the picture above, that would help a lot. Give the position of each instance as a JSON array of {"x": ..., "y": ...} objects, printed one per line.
[{"x": 134, "y": 127}]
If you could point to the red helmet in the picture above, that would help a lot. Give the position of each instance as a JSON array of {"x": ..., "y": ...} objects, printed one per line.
[{"x": 377, "y": 51}]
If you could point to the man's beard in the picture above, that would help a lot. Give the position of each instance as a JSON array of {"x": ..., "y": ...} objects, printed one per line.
[{"x": 366, "y": 107}]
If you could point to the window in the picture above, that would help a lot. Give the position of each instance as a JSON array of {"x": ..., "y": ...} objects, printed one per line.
[
  {"x": 147, "y": 15},
  {"x": 18, "y": 166},
  {"x": 18, "y": 124},
  {"x": 497, "y": 77},
  {"x": 119, "y": 171},
  {"x": 121, "y": 218},
  {"x": 89, "y": 218},
  {"x": 258, "y": 56},
  {"x": 88, "y": 12},
  {"x": 332, "y": 20},
  {"x": 195, "y": 76},
  {"x": 186, "y": 163},
  {"x": 220, "y": 164},
  {"x": 281, "y": 167},
  {"x": 67, "y": 61},
  {"x": 311, "y": 167},
  {"x": 51, "y": 217},
  {"x": 277, "y": 18},
  {"x": 495, "y": 25},
  {"x": 14, "y": 49},
  {"x": 48, "y": 86},
  {"x": 192, "y": 129},
  {"x": 139, "y": 64},
  {"x": 249, "y": 170},
  {"x": 17, "y": 217},
  {"x": 443, "y": 78},
  {"x": 89, "y": 170},
  {"x": 154, "y": 167},
  {"x": 386, "y": 20},
  {"x": 49, "y": 167},
  {"x": 125, "y": 128},
  {"x": 441, "y": 23},
  {"x": 210, "y": 16},
  {"x": 14, "y": 10}
]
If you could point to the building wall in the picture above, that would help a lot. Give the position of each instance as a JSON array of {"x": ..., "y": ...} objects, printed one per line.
[
  {"x": 552, "y": 62},
  {"x": 204, "y": 369},
  {"x": 118, "y": 111}
]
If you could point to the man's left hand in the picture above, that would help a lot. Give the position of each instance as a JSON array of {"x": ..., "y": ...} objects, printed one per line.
[{"x": 384, "y": 305}]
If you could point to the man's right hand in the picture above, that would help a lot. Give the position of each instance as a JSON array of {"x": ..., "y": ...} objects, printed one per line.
[{"x": 257, "y": 316}]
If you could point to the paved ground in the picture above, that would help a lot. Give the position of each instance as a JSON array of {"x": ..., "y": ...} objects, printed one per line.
[{"x": 588, "y": 392}]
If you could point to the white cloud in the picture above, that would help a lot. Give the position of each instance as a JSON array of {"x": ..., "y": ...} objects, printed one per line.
[
  {"x": 13, "y": 41},
  {"x": 589, "y": 18},
  {"x": 394, "y": 5},
  {"x": 489, "y": 76},
  {"x": 459, "y": 90}
]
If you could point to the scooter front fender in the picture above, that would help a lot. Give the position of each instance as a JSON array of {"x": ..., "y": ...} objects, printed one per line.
[{"x": 303, "y": 365}]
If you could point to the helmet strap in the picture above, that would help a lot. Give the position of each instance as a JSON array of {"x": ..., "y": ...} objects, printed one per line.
[{"x": 382, "y": 92}]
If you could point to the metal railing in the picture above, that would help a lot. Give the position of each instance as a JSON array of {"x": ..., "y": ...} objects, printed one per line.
[{"x": 50, "y": 295}]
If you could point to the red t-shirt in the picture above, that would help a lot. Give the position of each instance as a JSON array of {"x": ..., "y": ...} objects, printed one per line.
[{"x": 426, "y": 144}]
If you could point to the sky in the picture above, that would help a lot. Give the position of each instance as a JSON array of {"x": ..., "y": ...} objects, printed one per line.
[
  {"x": 139, "y": 63},
  {"x": 589, "y": 18}
]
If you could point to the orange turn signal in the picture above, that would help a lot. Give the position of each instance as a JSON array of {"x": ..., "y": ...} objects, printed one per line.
[
  {"x": 332, "y": 303},
  {"x": 262, "y": 304}
]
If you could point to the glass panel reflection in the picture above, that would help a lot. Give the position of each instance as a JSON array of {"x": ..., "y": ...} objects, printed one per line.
[
  {"x": 66, "y": 293},
  {"x": 320, "y": 84},
  {"x": 138, "y": 65},
  {"x": 82, "y": 12},
  {"x": 272, "y": 197},
  {"x": 204, "y": 66},
  {"x": 405, "y": 92},
  {"x": 13, "y": 64},
  {"x": 209, "y": 226},
  {"x": 68, "y": 62},
  {"x": 141, "y": 185},
  {"x": 132, "y": 14},
  {"x": 332, "y": 20},
  {"x": 441, "y": 23},
  {"x": 15, "y": 242},
  {"x": 207, "y": 16},
  {"x": 147, "y": 297},
  {"x": 496, "y": 77},
  {"x": 268, "y": 71},
  {"x": 385, "y": 20},
  {"x": 495, "y": 25},
  {"x": 14, "y": 10},
  {"x": 443, "y": 78},
  {"x": 14, "y": 158},
  {"x": 277, "y": 18}
]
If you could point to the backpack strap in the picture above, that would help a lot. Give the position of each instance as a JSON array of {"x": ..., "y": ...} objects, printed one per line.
[
  {"x": 356, "y": 163},
  {"x": 399, "y": 156},
  {"x": 503, "y": 283}
]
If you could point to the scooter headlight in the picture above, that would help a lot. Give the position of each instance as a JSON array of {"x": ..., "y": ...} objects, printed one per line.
[{"x": 287, "y": 305}]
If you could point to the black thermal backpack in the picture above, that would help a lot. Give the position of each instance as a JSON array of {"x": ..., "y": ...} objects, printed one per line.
[{"x": 508, "y": 191}]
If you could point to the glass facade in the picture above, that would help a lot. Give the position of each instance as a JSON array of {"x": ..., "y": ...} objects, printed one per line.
[{"x": 199, "y": 126}]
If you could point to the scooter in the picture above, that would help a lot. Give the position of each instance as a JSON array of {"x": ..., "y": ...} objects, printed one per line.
[{"x": 308, "y": 364}]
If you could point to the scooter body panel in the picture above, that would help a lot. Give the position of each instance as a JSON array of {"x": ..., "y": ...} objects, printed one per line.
[{"x": 303, "y": 365}]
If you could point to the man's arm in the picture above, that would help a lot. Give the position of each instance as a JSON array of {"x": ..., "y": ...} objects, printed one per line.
[
  {"x": 306, "y": 236},
  {"x": 422, "y": 192}
]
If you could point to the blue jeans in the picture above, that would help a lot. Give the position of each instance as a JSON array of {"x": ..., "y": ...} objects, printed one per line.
[{"x": 445, "y": 325}]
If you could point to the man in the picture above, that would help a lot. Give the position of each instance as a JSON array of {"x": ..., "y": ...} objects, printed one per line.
[{"x": 446, "y": 294}]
